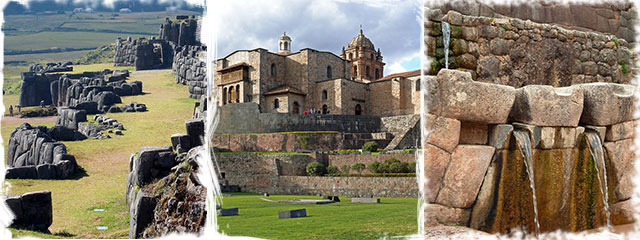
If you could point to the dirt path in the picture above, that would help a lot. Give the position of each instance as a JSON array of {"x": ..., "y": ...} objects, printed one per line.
[{"x": 33, "y": 120}]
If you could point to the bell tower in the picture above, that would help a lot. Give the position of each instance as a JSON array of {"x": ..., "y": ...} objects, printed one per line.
[{"x": 284, "y": 44}]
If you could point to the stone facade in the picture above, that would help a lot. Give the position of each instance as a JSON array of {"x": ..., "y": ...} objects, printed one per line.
[
  {"x": 288, "y": 82},
  {"x": 515, "y": 52},
  {"x": 615, "y": 17}
]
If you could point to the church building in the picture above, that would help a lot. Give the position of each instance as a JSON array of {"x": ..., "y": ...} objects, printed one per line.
[{"x": 286, "y": 82}]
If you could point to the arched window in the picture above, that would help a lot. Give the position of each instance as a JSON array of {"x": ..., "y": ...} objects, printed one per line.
[
  {"x": 358, "y": 109},
  {"x": 238, "y": 93},
  {"x": 231, "y": 94},
  {"x": 224, "y": 96},
  {"x": 355, "y": 71},
  {"x": 368, "y": 72},
  {"x": 276, "y": 104},
  {"x": 350, "y": 56},
  {"x": 325, "y": 109},
  {"x": 377, "y": 73},
  {"x": 371, "y": 56},
  {"x": 273, "y": 69},
  {"x": 329, "y": 73},
  {"x": 286, "y": 46},
  {"x": 324, "y": 95}
]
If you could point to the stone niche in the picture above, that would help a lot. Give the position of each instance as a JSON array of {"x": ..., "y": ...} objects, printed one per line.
[{"x": 476, "y": 168}]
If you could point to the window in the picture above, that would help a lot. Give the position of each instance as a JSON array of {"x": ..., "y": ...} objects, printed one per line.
[
  {"x": 224, "y": 96},
  {"x": 358, "y": 109},
  {"x": 231, "y": 94},
  {"x": 350, "y": 56},
  {"x": 355, "y": 70},
  {"x": 325, "y": 109},
  {"x": 296, "y": 108},
  {"x": 368, "y": 72},
  {"x": 276, "y": 104},
  {"x": 329, "y": 73},
  {"x": 324, "y": 95},
  {"x": 286, "y": 46},
  {"x": 377, "y": 73},
  {"x": 372, "y": 56},
  {"x": 273, "y": 69}
]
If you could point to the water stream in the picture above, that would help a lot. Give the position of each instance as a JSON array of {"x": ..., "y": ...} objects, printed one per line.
[
  {"x": 446, "y": 34},
  {"x": 597, "y": 154},
  {"x": 524, "y": 144}
]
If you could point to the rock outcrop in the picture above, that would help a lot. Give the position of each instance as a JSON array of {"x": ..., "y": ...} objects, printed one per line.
[{"x": 33, "y": 153}]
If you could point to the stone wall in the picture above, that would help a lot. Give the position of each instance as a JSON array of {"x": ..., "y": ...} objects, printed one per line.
[
  {"x": 476, "y": 171},
  {"x": 246, "y": 118},
  {"x": 143, "y": 54},
  {"x": 285, "y": 174},
  {"x": 397, "y": 187},
  {"x": 366, "y": 159},
  {"x": 51, "y": 67},
  {"x": 615, "y": 17},
  {"x": 515, "y": 52},
  {"x": 180, "y": 32},
  {"x": 190, "y": 69}
]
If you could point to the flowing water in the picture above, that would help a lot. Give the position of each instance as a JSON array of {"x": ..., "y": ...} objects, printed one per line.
[
  {"x": 597, "y": 154},
  {"x": 524, "y": 144},
  {"x": 446, "y": 34}
]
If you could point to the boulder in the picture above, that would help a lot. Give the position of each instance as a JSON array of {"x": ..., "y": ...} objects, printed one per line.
[
  {"x": 89, "y": 107},
  {"x": 141, "y": 213},
  {"x": 37, "y": 210},
  {"x": 28, "y": 172},
  {"x": 181, "y": 142},
  {"x": 195, "y": 129},
  {"x": 47, "y": 171},
  {"x": 143, "y": 164},
  {"x": 453, "y": 94},
  {"x": 543, "y": 105},
  {"x": 15, "y": 205},
  {"x": 465, "y": 173},
  {"x": 69, "y": 118},
  {"x": 607, "y": 103}
]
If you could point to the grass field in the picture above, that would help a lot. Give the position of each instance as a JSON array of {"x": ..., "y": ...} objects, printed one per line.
[
  {"x": 76, "y": 40},
  {"x": 106, "y": 161},
  {"x": 342, "y": 220}
]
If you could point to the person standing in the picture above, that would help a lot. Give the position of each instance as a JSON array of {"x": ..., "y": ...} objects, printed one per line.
[{"x": 11, "y": 110}]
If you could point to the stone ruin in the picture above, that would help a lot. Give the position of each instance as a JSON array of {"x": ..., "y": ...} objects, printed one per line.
[
  {"x": 31, "y": 211},
  {"x": 93, "y": 92},
  {"x": 190, "y": 69},
  {"x": 34, "y": 154},
  {"x": 534, "y": 151},
  {"x": 181, "y": 32},
  {"x": 51, "y": 67},
  {"x": 143, "y": 54},
  {"x": 180, "y": 204}
]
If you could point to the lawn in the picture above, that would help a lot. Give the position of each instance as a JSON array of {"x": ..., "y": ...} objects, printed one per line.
[
  {"x": 106, "y": 161},
  {"x": 342, "y": 220},
  {"x": 74, "y": 40}
]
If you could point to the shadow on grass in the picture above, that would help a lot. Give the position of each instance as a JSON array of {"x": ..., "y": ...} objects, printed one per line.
[
  {"x": 80, "y": 173},
  {"x": 64, "y": 234}
]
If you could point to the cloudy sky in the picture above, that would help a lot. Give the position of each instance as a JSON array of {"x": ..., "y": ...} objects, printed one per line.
[{"x": 392, "y": 26}]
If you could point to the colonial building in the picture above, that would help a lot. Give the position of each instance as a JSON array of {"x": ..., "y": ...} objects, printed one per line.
[{"x": 287, "y": 82}]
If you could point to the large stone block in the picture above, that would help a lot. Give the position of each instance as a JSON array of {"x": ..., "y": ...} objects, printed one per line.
[
  {"x": 292, "y": 213},
  {"x": 443, "y": 132},
  {"x": 436, "y": 161},
  {"x": 37, "y": 210},
  {"x": 141, "y": 214},
  {"x": 15, "y": 205},
  {"x": 557, "y": 137},
  {"x": 453, "y": 94},
  {"x": 28, "y": 172},
  {"x": 607, "y": 103},
  {"x": 621, "y": 157},
  {"x": 620, "y": 131},
  {"x": 486, "y": 196},
  {"x": 436, "y": 214},
  {"x": 195, "y": 129},
  {"x": 543, "y": 105},
  {"x": 465, "y": 173}
]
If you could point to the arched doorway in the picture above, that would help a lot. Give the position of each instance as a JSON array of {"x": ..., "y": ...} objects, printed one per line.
[
  {"x": 296, "y": 108},
  {"x": 358, "y": 109},
  {"x": 325, "y": 109}
]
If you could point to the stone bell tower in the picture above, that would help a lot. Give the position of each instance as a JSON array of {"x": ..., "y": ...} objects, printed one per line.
[{"x": 284, "y": 44}]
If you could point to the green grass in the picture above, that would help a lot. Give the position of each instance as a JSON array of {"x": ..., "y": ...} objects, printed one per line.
[
  {"x": 295, "y": 132},
  {"x": 342, "y": 220},
  {"x": 106, "y": 160},
  {"x": 267, "y": 153},
  {"x": 75, "y": 40}
]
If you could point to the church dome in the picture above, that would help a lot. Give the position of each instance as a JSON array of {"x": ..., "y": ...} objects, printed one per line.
[
  {"x": 285, "y": 37},
  {"x": 361, "y": 41}
]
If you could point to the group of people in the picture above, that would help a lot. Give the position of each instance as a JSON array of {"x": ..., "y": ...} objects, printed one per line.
[
  {"x": 315, "y": 111},
  {"x": 11, "y": 109}
]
